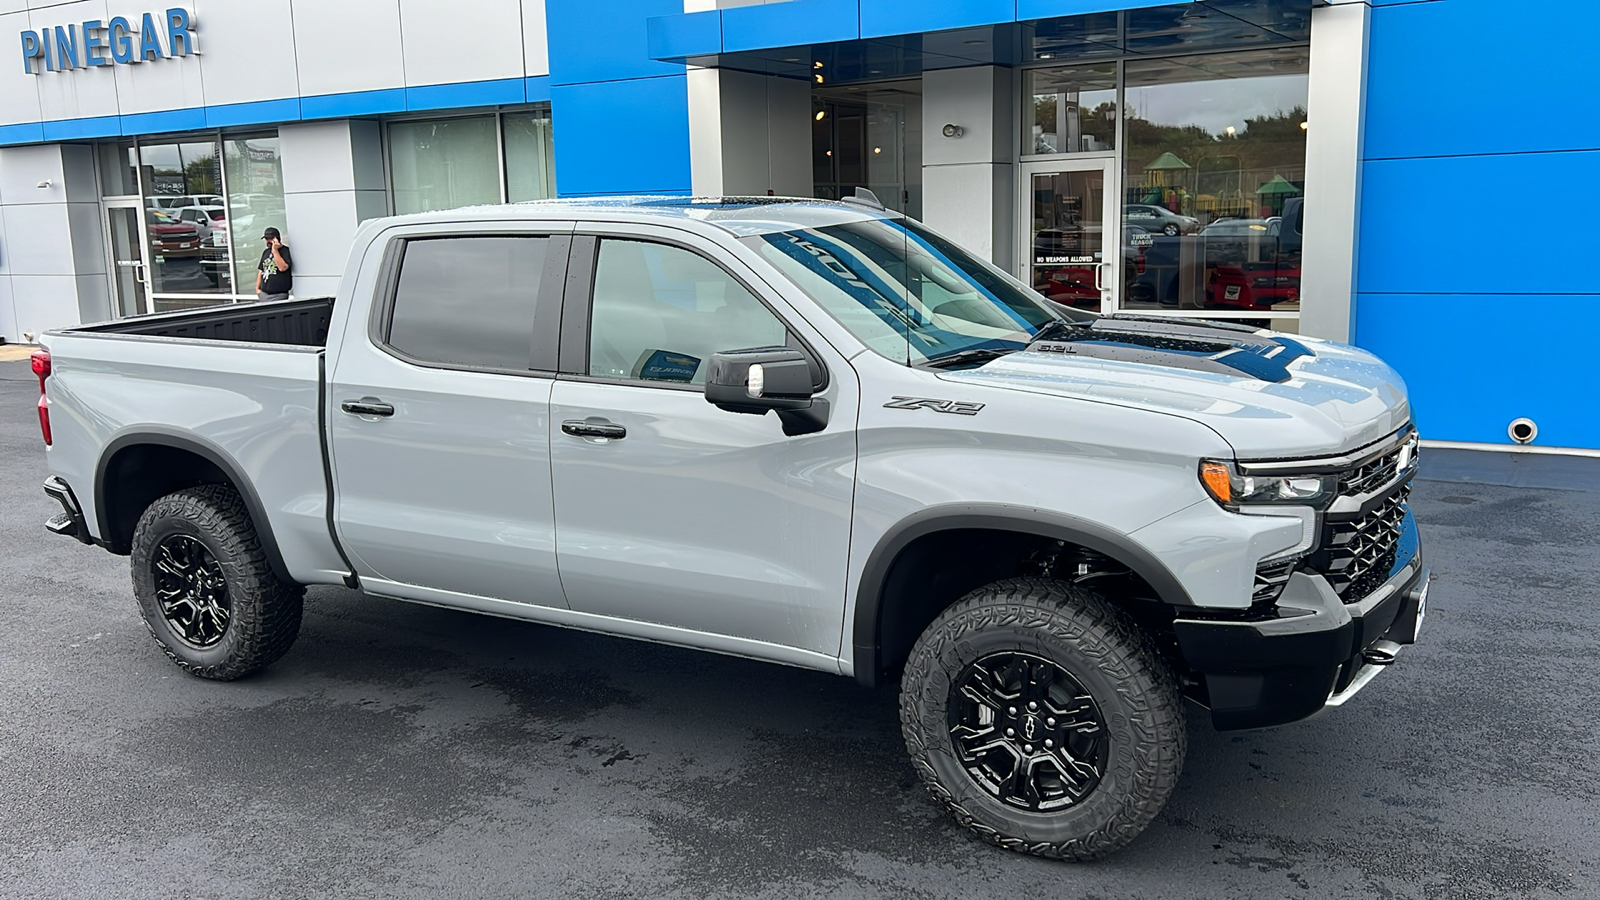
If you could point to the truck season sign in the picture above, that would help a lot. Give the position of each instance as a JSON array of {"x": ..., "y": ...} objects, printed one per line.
[{"x": 119, "y": 41}]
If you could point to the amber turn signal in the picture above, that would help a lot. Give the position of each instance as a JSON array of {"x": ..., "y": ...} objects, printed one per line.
[{"x": 1217, "y": 480}]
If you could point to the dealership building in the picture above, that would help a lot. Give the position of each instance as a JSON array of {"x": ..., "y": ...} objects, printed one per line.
[{"x": 1344, "y": 169}]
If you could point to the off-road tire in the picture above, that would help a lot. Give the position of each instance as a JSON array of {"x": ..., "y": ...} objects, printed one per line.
[
  {"x": 265, "y": 612},
  {"x": 1083, "y": 634}
]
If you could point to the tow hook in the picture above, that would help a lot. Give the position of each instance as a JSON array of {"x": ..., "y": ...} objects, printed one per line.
[{"x": 1381, "y": 653}]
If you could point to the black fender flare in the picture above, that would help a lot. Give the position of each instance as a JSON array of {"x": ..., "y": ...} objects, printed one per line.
[
  {"x": 997, "y": 517},
  {"x": 165, "y": 437}
]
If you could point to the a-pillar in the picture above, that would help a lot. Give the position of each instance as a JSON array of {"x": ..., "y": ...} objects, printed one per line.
[
  {"x": 969, "y": 178},
  {"x": 332, "y": 182}
]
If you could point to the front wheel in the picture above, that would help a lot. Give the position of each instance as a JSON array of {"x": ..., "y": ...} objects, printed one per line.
[
  {"x": 1043, "y": 719},
  {"x": 1171, "y": 230},
  {"x": 205, "y": 588}
]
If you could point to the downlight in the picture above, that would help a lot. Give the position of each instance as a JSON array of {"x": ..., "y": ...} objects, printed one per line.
[{"x": 1523, "y": 430}]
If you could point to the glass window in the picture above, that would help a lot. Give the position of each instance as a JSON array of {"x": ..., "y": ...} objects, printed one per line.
[
  {"x": 1073, "y": 110},
  {"x": 468, "y": 301},
  {"x": 119, "y": 174},
  {"x": 1215, "y": 162},
  {"x": 870, "y": 136},
  {"x": 254, "y": 203},
  {"x": 184, "y": 257},
  {"x": 530, "y": 174},
  {"x": 444, "y": 163},
  {"x": 661, "y": 311}
]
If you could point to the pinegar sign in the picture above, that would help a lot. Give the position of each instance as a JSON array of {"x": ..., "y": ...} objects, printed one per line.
[{"x": 114, "y": 42}]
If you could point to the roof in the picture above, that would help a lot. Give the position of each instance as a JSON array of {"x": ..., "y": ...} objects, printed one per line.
[{"x": 740, "y": 216}]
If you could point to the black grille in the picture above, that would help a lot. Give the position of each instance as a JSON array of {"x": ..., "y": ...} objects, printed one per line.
[
  {"x": 1370, "y": 476},
  {"x": 1270, "y": 579},
  {"x": 1357, "y": 552}
]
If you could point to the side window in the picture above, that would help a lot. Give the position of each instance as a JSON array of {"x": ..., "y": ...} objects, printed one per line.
[
  {"x": 468, "y": 301},
  {"x": 660, "y": 311}
]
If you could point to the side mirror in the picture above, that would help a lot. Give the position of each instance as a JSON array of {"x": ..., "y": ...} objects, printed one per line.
[{"x": 766, "y": 378}]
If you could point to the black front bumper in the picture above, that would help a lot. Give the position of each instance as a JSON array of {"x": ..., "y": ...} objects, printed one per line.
[{"x": 1317, "y": 652}]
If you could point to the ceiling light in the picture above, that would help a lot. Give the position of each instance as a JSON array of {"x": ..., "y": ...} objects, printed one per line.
[
  {"x": 816, "y": 65},
  {"x": 820, "y": 114},
  {"x": 877, "y": 149},
  {"x": 1303, "y": 126},
  {"x": 819, "y": 79}
]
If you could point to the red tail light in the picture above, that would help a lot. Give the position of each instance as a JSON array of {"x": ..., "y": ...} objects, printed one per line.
[{"x": 41, "y": 368}]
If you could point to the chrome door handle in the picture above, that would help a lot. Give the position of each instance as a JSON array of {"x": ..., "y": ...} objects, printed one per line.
[
  {"x": 367, "y": 406},
  {"x": 588, "y": 428}
]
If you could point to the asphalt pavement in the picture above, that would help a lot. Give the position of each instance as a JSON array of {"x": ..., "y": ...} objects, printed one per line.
[{"x": 406, "y": 751}]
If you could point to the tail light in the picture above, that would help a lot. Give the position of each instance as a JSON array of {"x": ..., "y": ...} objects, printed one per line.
[{"x": 41, "y": 368}]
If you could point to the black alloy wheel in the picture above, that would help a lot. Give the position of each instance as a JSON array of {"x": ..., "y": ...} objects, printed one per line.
[
  {"x": 191, "y": 591},
  {"x": 1026, "y": 731}
]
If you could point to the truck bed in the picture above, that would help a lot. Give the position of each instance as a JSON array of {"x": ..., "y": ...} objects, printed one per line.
[{"x": 301, "y": 323}]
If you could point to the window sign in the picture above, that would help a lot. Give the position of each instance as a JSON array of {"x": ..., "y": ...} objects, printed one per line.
[{"x": 119, "y": 41}]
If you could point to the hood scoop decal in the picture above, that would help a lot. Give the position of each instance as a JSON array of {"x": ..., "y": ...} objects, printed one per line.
[{"x": 1200, "y": 346}]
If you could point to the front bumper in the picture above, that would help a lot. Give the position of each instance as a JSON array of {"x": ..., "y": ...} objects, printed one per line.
[{"x": 1317, "y": 652}]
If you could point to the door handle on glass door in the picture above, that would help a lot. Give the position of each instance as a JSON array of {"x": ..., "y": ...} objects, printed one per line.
[
  {"x": 594, "y": 428},
  {"x": 367, "y": 406}
]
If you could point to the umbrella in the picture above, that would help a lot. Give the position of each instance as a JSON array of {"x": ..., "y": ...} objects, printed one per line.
[
  {"x": 1278, "y": 185},
  {"x": 1166, "y": 161}
]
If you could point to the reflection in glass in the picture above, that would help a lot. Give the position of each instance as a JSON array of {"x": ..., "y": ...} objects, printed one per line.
[
  {"x": 255, "y": 203},
  {"x": 444, "y": 163},
  {"x": 127, "y": 261},
  {"x": 869, "y": 136},
  {"x": 530, "y": 168},
  {"x": 181, "y": 180},
  {"x": 1215, "y": 170},
  {"x": 1073, "y": 110},
  {"x": 1068, "y": 237}
]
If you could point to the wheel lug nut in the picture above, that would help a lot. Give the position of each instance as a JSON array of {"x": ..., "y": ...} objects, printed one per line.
[
  {"x": 1033, "y": 706},
  {"x": 1051, "y": 723},
  {"x": 1049, "y": 743},
  {"x": 1011, "y": 732},
  {"x": 1011, "y": 710},
  {"x": 1027, "y": 748}
]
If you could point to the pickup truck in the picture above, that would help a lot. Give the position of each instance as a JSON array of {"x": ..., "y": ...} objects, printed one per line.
[{"x": 814, "y": 433}]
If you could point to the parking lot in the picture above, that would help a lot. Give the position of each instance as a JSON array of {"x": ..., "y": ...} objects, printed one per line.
[{"x": 407, "y": 751}]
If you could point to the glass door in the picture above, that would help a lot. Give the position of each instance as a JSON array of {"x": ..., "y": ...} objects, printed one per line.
[
  {"x": 129, "y": 272},
  {"x": 1069, "y": 219}
]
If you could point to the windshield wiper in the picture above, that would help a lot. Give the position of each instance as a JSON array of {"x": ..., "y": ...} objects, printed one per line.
[
  {"x": 1055, "y": 329},
  {"x": 975, "y": 356}
]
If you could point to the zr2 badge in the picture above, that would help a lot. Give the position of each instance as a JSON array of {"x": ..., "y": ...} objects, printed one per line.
[{"x": 953, "y": 407}]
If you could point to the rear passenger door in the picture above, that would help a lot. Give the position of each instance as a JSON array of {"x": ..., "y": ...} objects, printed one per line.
[
  {"x": 686, "y": 515},
  {"x": 439, "y": 419}
]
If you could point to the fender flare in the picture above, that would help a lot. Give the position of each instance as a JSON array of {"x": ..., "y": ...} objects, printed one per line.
[
  {"x": 165, "y": 437},
  {"x": 996, "y": 517}
]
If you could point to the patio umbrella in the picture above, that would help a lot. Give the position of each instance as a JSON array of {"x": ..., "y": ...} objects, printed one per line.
[
  {"x": 1278, "y": 185},
  {"x": 1166, "y": 161}
]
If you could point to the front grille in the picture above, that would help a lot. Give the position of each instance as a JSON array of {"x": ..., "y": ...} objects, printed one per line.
[
  {"x": 1357, "y": 553},
  {"x": 1370, "y": 476}
]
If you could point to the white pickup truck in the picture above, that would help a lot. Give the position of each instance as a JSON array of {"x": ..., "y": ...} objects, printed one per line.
[{"x": 806, "y": 432}]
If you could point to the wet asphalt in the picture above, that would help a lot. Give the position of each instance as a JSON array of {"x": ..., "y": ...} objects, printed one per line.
[{"x": 404, "y": 751}]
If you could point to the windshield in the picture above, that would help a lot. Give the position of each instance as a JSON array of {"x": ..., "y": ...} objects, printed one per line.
[{"x": 907, "y": 293}]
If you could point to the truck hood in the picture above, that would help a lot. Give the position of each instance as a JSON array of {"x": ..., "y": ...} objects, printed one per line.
[{"x": 1268, "y": 395}]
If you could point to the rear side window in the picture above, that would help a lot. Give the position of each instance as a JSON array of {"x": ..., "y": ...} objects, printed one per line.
[{"x": 468, "y": 301}]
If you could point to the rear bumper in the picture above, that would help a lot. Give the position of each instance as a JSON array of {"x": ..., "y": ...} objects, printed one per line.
[
  {"x": 1319, "y": 651},
  {"x": 70, "y": 520}
]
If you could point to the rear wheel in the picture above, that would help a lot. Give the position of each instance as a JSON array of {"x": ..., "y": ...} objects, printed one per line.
[
  {"x": 205, "y": 588},
  {"x": 1043, "y": 719}
]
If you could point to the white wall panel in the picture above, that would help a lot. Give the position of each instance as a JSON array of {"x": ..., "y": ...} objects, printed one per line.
[
  {"x": 316, "y": 157},
  {"x": 323, "y": 224},
  {"x": 248, "y": 50},
  {"x": 75, "y": 93},
  {"x": 94, "y": 298},
  {"x": 39, "y": 239},
  {"x": 77, "y": 171},
  {"x": 19, "y": 91},
  {"x": 8, "y": 313},
  {"x": 439, "y": 50},
  {"x": 88, "y": 239},
  {"x": 21, "y": 170},
  {"x": 535, "y": 42},
  {"x": 43, "y": 302},
  {"x": 158, "y": 84},
  {"x": 347, "y": 45}
]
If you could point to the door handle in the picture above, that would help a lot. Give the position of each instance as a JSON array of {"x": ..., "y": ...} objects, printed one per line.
[
  {"x": 367, "y": 406},
  {"x": 589, "y": 428}
]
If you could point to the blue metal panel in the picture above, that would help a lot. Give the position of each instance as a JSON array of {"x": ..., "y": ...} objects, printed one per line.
[
  {"x": 622, "y": 137},
  {"x": 28, "y": 133},
  {"x": 1469, "y": 378},
  {"x": 78, "y": 129},
  {"x": 355, "y": 103},
  {"x": 1433, "y": 226},
  {"x": 604, "y": 40},
  {"x": 256, "y": 113},
  {"x": 1045, "y": 9},
  {"x": 882, "y": 18},
  {"x": 1478, "y": 76},
  {"x": 467, "y": 93},
  {"x": 537, "y": 88},
  {"x": 165, "y": 120},
  {"x": 685, "y": 35},
  {"x": 790, "y": 24}
]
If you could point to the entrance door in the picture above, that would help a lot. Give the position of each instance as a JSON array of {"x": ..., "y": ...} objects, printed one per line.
[
  {"x": 129, "y": 272},
  {"x": 1069, "y": 217}
]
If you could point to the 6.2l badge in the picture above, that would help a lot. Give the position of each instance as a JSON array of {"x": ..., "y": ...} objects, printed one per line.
[{"x": 954, "y": 407}]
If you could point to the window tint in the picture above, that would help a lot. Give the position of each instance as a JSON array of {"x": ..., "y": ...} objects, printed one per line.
[
  {"x": 468, "y": 301},
  {"x": 660, "y": 312}
]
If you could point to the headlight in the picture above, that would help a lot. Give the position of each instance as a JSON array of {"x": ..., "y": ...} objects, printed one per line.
[{"x": 1233, "y": 490}]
